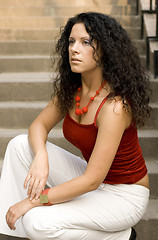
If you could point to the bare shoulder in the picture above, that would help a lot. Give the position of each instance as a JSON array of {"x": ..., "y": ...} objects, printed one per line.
[
  {"x": 118, "y": 105},
  {"x": 115, "y": 110},
  {"x": 55, "y": 106}
]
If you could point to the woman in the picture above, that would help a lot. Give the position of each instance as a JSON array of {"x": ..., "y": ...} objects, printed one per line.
[{"x": 102, "y": 94}]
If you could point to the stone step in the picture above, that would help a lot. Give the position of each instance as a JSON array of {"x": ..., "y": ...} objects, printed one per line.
[
  {"x": 28, "y": 34},
  {"x": 41, "y": 3},
  {"x": 27, "y": 47},
  {"x": 42, "y": 47},
  {"x": 128, "y": 21},
  {"x": 152, "y": 166},
  {"x": 11, "y": 34},
  {"x": 29, "y": 22},
  {"x": 140, "y": 45},
  {"x": 25, "y": 86},
  {"x": 65, "y": 10},
  {"x": 23, "y": 63},
  {"x": 154, "y": 88},
  {"x": 19, "y": 114},
  {"x": 58, "y": 21},
  {"x": 147, "y": 228},
  {"x": 50, "y": 22},
  {"x": 134, "y": 33},
  {"x": 23, "y": 113},
  {"x": 152, "y": 123},
  {"x": 148, "y": 140}
]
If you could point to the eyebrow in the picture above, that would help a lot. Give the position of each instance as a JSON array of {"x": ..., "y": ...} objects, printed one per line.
[{"x": 82, "y": 37}]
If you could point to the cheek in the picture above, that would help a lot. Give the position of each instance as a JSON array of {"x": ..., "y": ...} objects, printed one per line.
[
  {"x": 91, "y": 61},
  {"x": 90, "y": 57}
]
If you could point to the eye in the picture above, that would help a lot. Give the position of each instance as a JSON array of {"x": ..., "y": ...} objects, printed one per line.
[
  {"x": 86, "y": 42},
  {"x": 71, "y": 41}
]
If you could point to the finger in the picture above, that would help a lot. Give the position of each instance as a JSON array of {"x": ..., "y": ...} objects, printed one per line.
[
  {"x": 27, "y": 179},
  {"x": 10, "y": 219},
  {"x": 30, "y": 186},
  {"x": 11, "y": 223},
  {"x": 34, "y": 188},
  {"x": 40, "y": 188},
  {"x": 7, "y": 216}
]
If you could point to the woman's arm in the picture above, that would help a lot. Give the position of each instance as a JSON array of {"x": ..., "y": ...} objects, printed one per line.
[
  {"x": 38, "y": 132},
  {"x": 112, "y": 121}
]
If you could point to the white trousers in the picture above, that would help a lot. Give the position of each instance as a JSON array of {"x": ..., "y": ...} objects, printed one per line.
[{"x": 107, "y": 213}]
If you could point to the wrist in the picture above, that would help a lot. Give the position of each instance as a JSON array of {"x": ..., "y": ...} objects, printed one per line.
[
  {"x": 41, "y": 152},
  {"x": 34, "y": 203},
  {"x": 44, "y": 198}
]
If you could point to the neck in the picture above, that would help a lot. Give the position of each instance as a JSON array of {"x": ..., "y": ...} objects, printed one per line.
[{"x": 91, "y": 81}]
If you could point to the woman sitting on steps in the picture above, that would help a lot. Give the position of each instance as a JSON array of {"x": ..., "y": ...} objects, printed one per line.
[{"x": 101, "y": 93}]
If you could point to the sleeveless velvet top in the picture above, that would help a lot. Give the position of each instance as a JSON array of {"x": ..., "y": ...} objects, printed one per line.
[{"x": 128, "y": 166}]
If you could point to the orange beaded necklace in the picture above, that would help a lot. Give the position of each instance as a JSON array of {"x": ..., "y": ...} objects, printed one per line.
[{"x": 78, "y": 111}]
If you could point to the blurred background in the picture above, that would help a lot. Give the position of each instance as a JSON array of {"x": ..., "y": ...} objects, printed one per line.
[{"x": 28, "y": 31}]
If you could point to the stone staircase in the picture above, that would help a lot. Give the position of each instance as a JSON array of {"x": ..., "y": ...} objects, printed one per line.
[{"x": 27, "y": 37}]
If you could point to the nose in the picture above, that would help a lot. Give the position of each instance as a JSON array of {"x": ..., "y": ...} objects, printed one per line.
[{"x": 74, "y": 47}]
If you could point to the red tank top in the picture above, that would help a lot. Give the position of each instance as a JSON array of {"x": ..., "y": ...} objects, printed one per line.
[{"x": 128, "y": 166}]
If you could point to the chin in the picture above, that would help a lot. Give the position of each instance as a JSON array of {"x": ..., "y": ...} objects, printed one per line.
[{"x": 75, "y": 70}]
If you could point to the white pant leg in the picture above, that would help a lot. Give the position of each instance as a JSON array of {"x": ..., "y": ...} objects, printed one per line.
[
  {"x": 63, "y": 166},
  {"x": 18, "y": 158},
  {"x": 105, "y": 214}
]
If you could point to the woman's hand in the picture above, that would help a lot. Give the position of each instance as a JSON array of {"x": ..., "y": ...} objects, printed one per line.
[
  {"x": 37, "y": 175},
  {"x": 18, "y": 210}
]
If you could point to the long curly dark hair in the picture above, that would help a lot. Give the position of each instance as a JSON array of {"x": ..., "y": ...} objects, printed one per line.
[{"x": 119, "y": 60}]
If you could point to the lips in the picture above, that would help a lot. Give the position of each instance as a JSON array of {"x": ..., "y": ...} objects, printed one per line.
[{"x": 75, "y": 60}]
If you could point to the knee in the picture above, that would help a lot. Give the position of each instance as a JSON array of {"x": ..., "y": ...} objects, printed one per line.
[
  {"x": 30, "y": 222},
  {"x": 43, "y": 228},
  {"x": 19, "y": 139},
  {"x": 18, "y": 149},
  {"x": 18, "y": 142}
]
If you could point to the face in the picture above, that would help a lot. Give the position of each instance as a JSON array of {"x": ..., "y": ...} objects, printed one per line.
[{"x": 80, "y": 51}]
